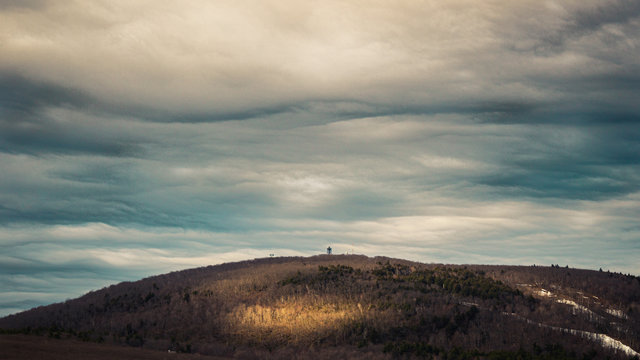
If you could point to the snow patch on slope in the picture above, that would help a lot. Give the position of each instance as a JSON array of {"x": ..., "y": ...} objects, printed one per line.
[
  {"x": 574, "y": 305},
  {"x": 617, "y": 313},
  {"x": 577, "y": 308},
  {"x": 603, "y": 339},
  {"x": 543, "y": 292}
]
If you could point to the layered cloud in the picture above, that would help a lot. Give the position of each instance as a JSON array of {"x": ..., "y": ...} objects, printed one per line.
[
  {"x": 148, "y": 137},
  {"x": 201, "y": 61}
]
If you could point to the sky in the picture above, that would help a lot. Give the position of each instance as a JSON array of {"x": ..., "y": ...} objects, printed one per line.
[{"x": 142, "y": 137}]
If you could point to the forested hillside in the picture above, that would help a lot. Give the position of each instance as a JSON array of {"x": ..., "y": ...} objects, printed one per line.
[{"x": 358, "y": 307}]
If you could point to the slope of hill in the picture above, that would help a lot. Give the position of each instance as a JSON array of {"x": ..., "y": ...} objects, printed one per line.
[{"x": 357, "y": 307}]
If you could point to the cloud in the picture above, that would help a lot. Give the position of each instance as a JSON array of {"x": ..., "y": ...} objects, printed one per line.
[
  {"x": 138, "y": 138},
  {"x": 224, "y": 175},
  {"x": 22, "y": 4},
  {"x": 196, "y": 62},
  {"x": 614, "y": 12}
]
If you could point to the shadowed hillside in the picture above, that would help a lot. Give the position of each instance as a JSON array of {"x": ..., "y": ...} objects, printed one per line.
[{"x": 357, "y": 307}]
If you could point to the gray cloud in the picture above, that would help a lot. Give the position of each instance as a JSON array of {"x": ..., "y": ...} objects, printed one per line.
[
  {"x": 614, "y": 12},
  {"x": 37, "y": 118},
  {"x": 21, "y": 98},
  {"x": 22, "y": 4},
  {"x": 385, "y": 56}
]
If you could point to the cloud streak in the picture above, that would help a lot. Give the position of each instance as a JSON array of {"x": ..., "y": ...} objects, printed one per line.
[{"x": 197, "y": 60}]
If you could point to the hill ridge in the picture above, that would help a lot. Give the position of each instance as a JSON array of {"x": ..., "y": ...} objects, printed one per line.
[{"x": 356, "y": 304}]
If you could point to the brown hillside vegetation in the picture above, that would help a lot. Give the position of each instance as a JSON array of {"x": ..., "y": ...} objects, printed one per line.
[{"x": 356, "y": 307}]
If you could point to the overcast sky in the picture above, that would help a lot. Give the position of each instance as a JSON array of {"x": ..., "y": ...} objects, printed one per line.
[{"x": 141, "y": 137}]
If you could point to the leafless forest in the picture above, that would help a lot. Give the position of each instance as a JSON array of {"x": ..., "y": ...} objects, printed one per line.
[{"x": 349, "y": 306}]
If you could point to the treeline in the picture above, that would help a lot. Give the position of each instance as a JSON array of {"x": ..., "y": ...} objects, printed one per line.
[{"x": 459, "y": 281}]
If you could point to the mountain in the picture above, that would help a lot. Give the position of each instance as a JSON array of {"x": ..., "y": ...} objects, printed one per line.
[{"x": 352, "y": 306}]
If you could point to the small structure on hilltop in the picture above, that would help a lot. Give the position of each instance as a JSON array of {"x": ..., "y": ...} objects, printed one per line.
[{"x": 329, "y": 250}]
